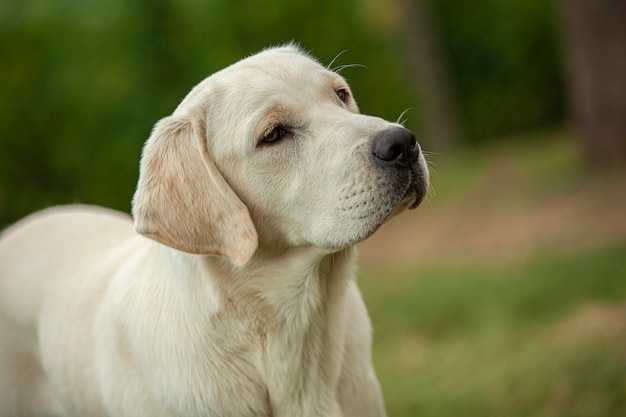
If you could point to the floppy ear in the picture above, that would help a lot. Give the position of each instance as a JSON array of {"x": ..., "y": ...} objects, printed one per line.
[{"x": 183, "y": 201}]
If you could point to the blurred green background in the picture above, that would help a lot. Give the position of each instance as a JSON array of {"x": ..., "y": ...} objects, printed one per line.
[{"x": 505, "y": 294}]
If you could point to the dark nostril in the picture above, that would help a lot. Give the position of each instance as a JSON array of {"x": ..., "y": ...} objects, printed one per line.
[
  {"x": 388, "y": 152},
  {"x": 395, "y": 144}
]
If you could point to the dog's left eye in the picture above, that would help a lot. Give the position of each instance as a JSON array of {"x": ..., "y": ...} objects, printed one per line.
[
  {"x": 343, "y": 95},
  {"x": 275, "y": 135}
]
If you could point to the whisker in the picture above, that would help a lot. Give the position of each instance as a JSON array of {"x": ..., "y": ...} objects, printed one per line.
[
  {"x": 335, "y": 58},
  {"x": 432, "y": 171},
  {"x": 340, "y": 68},
  {"x": 432, "y": 193},
  {"x": 430, "y": 153},
  {"x": 402, "y": 122}
]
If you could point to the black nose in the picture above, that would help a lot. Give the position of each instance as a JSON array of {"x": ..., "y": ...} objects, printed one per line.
[{"x": 396, "y": 145}]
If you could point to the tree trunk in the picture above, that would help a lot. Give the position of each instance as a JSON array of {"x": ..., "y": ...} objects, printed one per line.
[
  {"x": 428, "y": 74},
  {"x": 595, "y": 39}
]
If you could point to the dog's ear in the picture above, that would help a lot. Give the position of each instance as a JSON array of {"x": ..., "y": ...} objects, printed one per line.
[{"x": 183, "y": 201}]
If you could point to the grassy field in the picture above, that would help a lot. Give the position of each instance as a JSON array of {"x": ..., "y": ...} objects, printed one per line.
[{"x": 539, "y": 330}]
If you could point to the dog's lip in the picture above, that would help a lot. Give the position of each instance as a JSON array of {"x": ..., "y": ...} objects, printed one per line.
[
  {"x": 416, "y": 202},
  {"x": 417, "y": 190},
  {"x": 418, "y": 199},
  {"x": 413, "y": 196}
]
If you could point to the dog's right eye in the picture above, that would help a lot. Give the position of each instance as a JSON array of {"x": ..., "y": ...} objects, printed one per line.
[{"x": 276, "y": 134}]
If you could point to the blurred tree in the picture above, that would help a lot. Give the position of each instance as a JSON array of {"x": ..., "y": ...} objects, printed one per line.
[
  {"x": 595, "y": 34},
  {"x": 505, "y": 62},
  {"x": 428, "y": 73}
]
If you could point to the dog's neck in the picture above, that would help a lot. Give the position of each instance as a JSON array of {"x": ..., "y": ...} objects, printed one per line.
[
  {"x": 301, "y": 295},
  {"x": 287, "y": 315}
]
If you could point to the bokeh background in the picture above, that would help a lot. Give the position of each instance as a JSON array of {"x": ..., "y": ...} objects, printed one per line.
[{"x": 505, "y": 293}]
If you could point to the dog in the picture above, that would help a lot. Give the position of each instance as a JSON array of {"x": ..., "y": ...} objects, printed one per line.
[{"x": 234, "y": 293}]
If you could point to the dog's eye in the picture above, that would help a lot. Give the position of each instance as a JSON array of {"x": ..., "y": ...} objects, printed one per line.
[
  {"x": 343, "y": 95},
  {"x": 274, "y": 135}
]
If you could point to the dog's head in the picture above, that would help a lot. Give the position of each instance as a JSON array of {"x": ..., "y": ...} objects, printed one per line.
[{"x": 272, "y": 152}]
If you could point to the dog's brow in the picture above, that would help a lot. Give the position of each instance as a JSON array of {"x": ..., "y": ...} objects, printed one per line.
[
  {"x": 335, "y": 81},
  {"x": 272, "y": 115}
]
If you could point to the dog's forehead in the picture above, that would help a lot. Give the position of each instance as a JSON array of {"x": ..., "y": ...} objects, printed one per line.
[
  {"x": 247, "y": 84},
  {"x": 279, "y": 56},
  {"x": 276, "y": 69}
]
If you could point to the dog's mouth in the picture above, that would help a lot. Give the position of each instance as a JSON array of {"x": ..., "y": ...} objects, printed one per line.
[
  {"x": 413, "y": 196},
  {"x": 415, "y": 193},
  {"x": 418, "y": 189}
]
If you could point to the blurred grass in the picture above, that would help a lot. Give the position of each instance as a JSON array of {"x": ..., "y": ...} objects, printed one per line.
[
  {"x": 536, "y": 162},
  {"x": 546, "y": 337},
  {"x": 542, "y": 334}
]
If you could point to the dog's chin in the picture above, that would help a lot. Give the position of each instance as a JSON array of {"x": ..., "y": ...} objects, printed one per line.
[{"x": 411, "y": 200}]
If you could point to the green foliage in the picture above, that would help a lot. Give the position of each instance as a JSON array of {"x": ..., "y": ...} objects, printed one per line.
[
  {"x": 543, "y": 337},
  {"x": 505, "y": 61}
]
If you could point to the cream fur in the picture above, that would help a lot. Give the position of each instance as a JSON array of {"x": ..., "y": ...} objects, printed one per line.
[{"x": 235, "y": 296}]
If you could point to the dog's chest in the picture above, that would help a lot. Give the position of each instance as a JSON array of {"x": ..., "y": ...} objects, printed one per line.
[
  {"x": 259, "y": 375},
  {"x": 222, "y": 379}
]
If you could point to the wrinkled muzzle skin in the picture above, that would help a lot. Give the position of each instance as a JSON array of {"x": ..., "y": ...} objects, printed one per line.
[{"x": 318, "y": 181}]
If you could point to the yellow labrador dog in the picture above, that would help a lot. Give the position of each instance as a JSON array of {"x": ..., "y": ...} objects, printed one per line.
[{"x": 234, "y": 294}]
